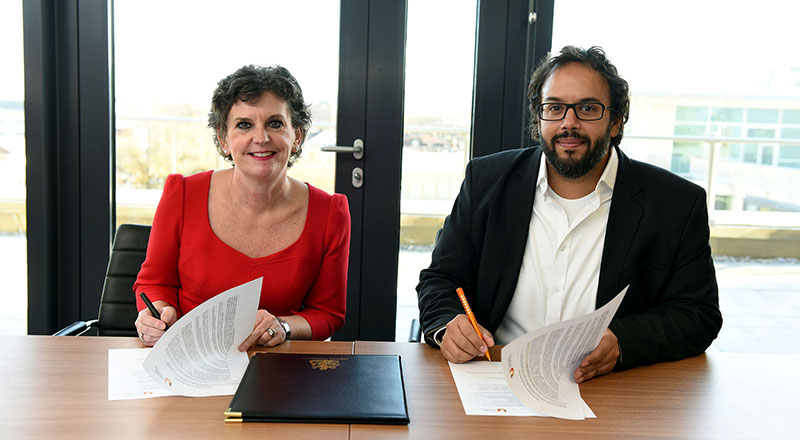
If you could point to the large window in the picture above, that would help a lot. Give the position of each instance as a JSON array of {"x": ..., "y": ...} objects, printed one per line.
[
  {"x": 166, "y": 58},
  {"x": 720, "y": 107},
  {"x": 165, "y": 78},
  {"x": 700, "y": 108},
  {"x": 438, "y": 112},
  {"x": 13, "y": 257}
]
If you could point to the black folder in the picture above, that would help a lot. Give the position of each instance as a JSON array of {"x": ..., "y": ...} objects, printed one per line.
[{"x": 279, "y": 387}]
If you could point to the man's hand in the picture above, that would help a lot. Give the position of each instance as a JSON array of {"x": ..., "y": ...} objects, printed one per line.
[
  {"x": 460, "y": 342},
  {"x": 600, "y": 361},
  {"x": 151, "y": 329}
]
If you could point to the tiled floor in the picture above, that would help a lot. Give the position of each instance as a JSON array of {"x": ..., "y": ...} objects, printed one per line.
[
  {"x": 759, "y": 299},
  {"x": 760, "y": 303}
]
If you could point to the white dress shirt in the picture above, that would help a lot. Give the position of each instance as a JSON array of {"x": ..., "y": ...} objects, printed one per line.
[{"x": 561, "y": 264}]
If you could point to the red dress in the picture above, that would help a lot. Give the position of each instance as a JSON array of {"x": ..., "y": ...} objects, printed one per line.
[{"x": 187, "y": 263}]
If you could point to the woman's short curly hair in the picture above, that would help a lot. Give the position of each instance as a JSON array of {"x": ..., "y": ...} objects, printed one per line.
[
  {"x": 248, "y": 84},
  {"x": 595, "y": 58}
]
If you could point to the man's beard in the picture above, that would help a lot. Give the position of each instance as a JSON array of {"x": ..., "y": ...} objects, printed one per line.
[{"x": 570, "y": 167}]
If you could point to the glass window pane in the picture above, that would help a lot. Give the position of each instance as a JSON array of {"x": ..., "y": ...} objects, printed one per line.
[
  {"x": 731, "y": 151},
  {"x": 760, "y": 133},
  {"x": 791, "y": 116},
  {"x": 162, "y": 112},
  {"x": 732, "y": 131},
  {"x": 790, "y": 133},
  {"x": 766, "y": 155},
  {"x": 762, "y": 115},
  {"x": 789, "y": 152},
  {"x": 438, "y": 111},
  {"x": 690, "y": 130},
  {"x": 688, "y": 159},
  {"x": 697, "y": 114},
  {"x": 13, "y": 241},
  {"x": 760, "y": 99},
  {"x": 751, "y": 153},
  {"x": 727, "y": 114}
]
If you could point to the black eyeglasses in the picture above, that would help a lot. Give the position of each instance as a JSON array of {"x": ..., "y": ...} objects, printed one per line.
[{"x": 585, "y": 111}]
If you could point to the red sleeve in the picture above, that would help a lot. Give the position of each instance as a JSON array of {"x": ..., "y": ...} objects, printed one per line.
[
  {"x": 158, "y": 277},
  {"x": 325, "y": 304}
]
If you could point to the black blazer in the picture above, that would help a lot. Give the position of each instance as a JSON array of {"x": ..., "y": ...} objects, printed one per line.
[{"x": 657, "y": 240}]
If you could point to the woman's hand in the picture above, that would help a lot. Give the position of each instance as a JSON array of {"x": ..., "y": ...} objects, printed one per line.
[
  {"x": 267, "y": 331},
  {"x": 151, "y": 329}
]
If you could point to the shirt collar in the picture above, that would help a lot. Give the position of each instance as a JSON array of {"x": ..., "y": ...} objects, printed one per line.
[
  {"x": 605, "y": 186},
  {"x": 541, "y": 181}
]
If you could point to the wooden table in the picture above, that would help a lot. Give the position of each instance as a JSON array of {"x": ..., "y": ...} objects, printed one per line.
[
  {"x": 56, "y": 387},
  {"x": 712, "y": 396}
]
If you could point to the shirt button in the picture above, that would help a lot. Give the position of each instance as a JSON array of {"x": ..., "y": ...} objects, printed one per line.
[{"x": 562, "y": 248}]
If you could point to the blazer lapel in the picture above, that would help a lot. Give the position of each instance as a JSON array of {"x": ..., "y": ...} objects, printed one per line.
[
  {"x": 623, "y": 221},
  {"x": 514, "y": 215}
]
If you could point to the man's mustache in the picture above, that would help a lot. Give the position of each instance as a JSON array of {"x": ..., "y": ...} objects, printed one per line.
[{"x": 570, "y": 134}]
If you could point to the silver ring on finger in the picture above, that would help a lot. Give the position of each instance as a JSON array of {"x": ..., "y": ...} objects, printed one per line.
[
  {"x": 271, "y": 332},
  {"x": 141, "y": 337}
]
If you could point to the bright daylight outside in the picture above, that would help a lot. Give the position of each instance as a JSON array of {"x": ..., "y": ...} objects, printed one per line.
[
  {"x": 716, "y": 99},
  {"x": 162, "y": 105},
  {"x": 13, "y": 243},
  {"x": 438, "y": 113}
]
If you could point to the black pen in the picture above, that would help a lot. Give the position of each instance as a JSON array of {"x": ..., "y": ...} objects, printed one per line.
[{"x": 152, "y": 308}]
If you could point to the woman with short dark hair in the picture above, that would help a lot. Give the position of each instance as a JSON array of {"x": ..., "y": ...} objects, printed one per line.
[{"x": 218, "y": 229}]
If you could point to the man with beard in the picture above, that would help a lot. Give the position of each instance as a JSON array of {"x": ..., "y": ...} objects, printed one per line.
[{"x": 533, "y": 242}]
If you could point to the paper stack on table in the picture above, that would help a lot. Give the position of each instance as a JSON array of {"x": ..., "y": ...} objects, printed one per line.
[
  {"x": 535, "y": 376},
  {"x": 197, "y": 356}
]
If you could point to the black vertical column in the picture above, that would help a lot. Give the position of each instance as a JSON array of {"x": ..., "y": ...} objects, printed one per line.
[
  {"x": 509, "y": 44},
  {"x": 68, "y": 148},
  {"x": 95, "y": 97},
  {"x": 41, "y": 130},
  {"x": 351, "y": 125},
  {"x": 382, "y": 170}
]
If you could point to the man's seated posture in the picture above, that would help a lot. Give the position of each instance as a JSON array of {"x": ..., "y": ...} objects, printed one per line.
[{"x": 540, "y": 235}]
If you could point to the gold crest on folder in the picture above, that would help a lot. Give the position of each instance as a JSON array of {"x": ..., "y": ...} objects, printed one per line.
[{"x": 324, "y": 364}]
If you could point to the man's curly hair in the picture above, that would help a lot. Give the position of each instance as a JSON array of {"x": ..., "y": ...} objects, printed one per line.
[{"x": 595, "y": 58}]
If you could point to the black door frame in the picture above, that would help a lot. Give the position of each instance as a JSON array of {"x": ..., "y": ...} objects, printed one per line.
[
  {"x": 371, "y": 87},
  {"x": 371, "y": 108}
]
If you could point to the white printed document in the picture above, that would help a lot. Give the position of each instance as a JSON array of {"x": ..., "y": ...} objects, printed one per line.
[
  {"x": 484, "y": 391},
  {"x": 127, "y": 378},
  {"x": 537, "y": 370},
  {"x": 197, "y": 356}
]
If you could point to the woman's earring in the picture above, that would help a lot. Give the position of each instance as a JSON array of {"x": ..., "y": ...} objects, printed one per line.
[{"x": 225, "y": 151}]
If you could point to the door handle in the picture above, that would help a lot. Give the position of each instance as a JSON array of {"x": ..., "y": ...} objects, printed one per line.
[{"x": 357, "y": 149}]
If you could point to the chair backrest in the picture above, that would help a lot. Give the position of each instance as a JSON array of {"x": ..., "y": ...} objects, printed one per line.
[{"x": 118, "y": 303}]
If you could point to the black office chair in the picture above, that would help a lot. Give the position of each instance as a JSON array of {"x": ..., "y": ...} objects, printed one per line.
[
  {"x": 415, "y": 333},
  {"x": 117, "y": 303}
]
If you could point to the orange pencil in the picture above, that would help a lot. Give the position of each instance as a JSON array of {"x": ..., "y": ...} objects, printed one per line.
[{"x": 471, "y": 318}]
